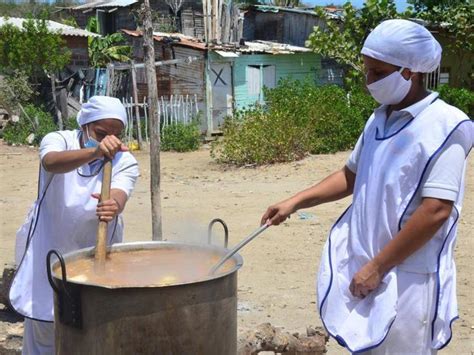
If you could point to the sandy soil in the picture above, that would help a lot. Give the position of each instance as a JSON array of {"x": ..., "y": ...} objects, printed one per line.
[{"x": 277, "y": 281}]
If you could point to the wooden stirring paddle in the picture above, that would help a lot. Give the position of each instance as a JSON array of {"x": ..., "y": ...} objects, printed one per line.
[{"x": 101, "y": 242}]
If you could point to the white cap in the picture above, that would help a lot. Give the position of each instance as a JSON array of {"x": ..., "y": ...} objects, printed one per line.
[
  {"x": 101, "y": 108},
  {"x": 405, "y": 44}
]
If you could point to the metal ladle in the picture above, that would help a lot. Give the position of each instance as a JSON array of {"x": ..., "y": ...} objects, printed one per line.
[{"x": 239, "y": 246}]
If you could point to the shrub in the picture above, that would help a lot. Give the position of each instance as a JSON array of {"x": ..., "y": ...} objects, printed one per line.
[
  {"x": 180, "y": 137},
  {"x": 38, "y": 122},
  {"x": 71, "y": 124},
  {"x": 299, "y": 118},
  {"x": 15, "y": 90},
  {"x": 463, "y": 99}
]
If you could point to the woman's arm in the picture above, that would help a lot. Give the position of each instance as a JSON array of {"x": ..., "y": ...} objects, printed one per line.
[
  {"x": 418, "y": 230},
  {"x": 66, "y": 161},
  {"x": 334, "y": 187},
  {"x": 109, "y": 209}
]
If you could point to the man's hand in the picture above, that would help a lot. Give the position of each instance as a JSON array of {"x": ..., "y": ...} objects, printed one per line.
[
  {"x": 367, "y": 279},
  {"x": 107, "y": 210},
  {"x": 109, "y": 146}
]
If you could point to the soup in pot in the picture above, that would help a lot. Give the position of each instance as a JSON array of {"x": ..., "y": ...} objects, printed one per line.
[{"x": 147, "y": 267}]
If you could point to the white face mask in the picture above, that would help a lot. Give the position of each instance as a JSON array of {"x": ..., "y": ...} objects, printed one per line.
[{"x": 390, "y": 90}]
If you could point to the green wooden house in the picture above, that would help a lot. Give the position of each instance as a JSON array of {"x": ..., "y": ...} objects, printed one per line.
[
  {"x": 236, "y": 78},
  {"x": 225, "y": 78}
]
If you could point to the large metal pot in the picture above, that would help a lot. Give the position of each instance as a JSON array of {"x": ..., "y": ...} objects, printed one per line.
[{"x": 188, "y": 318}]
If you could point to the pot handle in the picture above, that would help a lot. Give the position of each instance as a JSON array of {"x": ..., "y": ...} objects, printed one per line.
[
  {"x": 63, "y": 271},
  {"x": 226, "y": 231}
]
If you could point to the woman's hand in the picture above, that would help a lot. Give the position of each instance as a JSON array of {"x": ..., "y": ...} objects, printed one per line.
[
  {"x": 107, "y": 210},
  {"x": 278, "y": 213},
  {"x": 367, "y": 279},
  {"x": 109, "y": 146}
]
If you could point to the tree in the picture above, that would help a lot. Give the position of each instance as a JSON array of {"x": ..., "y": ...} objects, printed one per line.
[
  {"x": 33, "y": 50},
  {"x": 107, "y": 49},
  {"x": 342, "y": 39},
  {"x": 104, "y": 50},
  {"x": 175, "y": 5},
  {"x": 457, "y": 24},
  {"x": 421, "y": 6}
]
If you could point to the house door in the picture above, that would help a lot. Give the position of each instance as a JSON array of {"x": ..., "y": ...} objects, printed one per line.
[{"x": 222, "y": 101}]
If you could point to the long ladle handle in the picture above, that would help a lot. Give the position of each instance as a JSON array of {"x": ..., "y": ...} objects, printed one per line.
[
  {"x": 239, "y": 246},
  {"x": 101, "y": 242}
]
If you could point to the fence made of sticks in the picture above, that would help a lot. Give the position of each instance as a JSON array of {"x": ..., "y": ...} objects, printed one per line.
[{"x": 172, "y": 111}]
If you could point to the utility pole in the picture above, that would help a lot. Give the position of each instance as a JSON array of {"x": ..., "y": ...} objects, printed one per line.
[{"x": 149, "y": 49}]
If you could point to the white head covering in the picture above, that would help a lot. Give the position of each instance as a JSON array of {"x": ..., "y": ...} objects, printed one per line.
[
  {"x": 405, "y": 44},
  {"x": 100, "y": 108}
]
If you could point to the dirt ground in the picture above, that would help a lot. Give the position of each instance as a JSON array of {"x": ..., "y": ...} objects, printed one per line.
[{"x": 277, "y": 281}]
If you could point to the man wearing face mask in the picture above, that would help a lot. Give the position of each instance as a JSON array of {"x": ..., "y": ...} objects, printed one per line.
[
  {"x": 387, "y": 280},
  {"x": 66, "y": 212}
]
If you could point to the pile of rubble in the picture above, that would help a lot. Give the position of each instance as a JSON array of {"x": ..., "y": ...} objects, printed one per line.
[{"x": 267, "y": 338}]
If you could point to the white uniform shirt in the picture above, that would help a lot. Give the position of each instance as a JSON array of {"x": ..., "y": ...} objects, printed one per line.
[
  {"x": 445, "y": 173},
  {"x": 56, "y": 142}
]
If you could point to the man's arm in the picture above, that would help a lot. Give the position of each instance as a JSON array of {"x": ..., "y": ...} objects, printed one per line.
[
  {"x": 418, "y": 230},
  {"x": 334, "y": 187}
]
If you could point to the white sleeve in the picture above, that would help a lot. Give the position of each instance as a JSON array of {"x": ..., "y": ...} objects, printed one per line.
[
  {"x": 52, "y": 142},
  {"x": 444, "y": 175},
  {"x": 353, "y": 160},
  {"x": 126, "y": 175}
]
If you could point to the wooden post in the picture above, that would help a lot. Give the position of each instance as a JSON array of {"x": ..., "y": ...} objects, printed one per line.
[
  {"x": 110, "y": 80},
  {"x": 135, "y": 103},
  {"x": 55, "y": 101},
  {"x": 145, "y": 109},
  {"x": 157, "y": 232},
  {"x": 215, "y": 11},
  {"x": 205, "y": 17}
]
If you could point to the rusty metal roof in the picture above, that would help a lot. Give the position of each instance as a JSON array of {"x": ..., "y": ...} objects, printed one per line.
[
  {"x": 232, "y": 50},
  {"x": 53, "y": 26}
]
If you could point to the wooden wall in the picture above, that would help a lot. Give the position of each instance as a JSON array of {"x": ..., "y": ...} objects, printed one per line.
[
  {"x": 282, "y": 27},
  {"x": 296, "y": 66}
]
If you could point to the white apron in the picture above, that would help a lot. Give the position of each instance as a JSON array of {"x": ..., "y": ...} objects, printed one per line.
[
  {"x": 63, "y": 218},
  {"x": 387, "y": 187}
]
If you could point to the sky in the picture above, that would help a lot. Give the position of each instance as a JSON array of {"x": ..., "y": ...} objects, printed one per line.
[{"x": 401, "y": 5}]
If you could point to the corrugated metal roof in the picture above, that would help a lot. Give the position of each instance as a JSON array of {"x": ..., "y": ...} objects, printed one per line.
[
  {"x": 330, "y": 11},
  {"x": 270, "y": 48},
  {"x": 227, "y": 54},
  {"x": 100, "y": 4},
  {"x": 52, "y": 26},
  {"x": 176, "y": 38},
  {"x": 228, "y": 50}
]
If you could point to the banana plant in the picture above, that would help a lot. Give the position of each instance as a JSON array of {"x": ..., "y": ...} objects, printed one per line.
[{"x": 106, "y": 49}]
